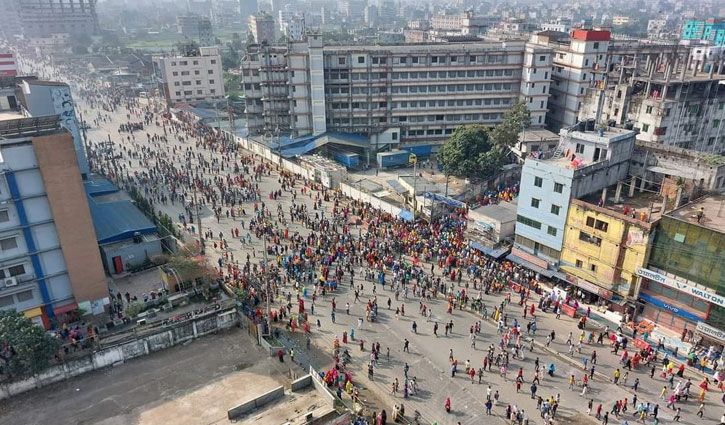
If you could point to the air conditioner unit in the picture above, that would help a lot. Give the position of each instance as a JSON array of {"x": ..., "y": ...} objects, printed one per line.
[{"x": 10, "y": 281}]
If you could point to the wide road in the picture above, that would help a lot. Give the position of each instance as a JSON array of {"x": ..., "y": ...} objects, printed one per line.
[{"x": 428, "y": 358}]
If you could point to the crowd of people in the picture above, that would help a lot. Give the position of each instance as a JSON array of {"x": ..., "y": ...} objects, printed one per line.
[{"x": 327, "y": 251}]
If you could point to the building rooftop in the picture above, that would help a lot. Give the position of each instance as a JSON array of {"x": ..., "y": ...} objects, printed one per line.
[
  {"x": 652, "y": 204},
  {"x": 712, "y": 209},
  {"x": 564, "y": 155},
  {"x": 10, "y": 115}
]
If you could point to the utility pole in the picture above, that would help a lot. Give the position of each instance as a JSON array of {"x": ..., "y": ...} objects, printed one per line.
[
  {"x": 415, "y": 183},
  {"x": 266, "y": 275},
  {"x": 198, "y": 221}
]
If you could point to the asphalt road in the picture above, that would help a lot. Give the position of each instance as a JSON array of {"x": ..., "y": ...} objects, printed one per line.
[{"x": 428, "y": 357}]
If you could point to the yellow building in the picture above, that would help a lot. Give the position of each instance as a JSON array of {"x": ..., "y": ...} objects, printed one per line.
[{"x": 603, "y": 248}]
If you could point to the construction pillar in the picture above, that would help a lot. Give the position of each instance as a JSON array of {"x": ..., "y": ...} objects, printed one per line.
[
  {"x": 618, "y": 192},
  {"x": 604, "y": 196},
  {"x": 712, "y": 70},
  {"x": 633, "y": 185},
  {"x": 687, "y": 67},
  {"x": 678, "y": 197},
  {"x": 695, "y": 68},
  {"x": 643, "y": 182}
]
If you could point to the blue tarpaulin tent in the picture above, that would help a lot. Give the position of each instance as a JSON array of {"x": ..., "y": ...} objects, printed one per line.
[{"x": 406, "y": 215}]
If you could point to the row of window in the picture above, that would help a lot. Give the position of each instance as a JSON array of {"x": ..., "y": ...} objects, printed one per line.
[
  {"x": 23, "y": 296},
  {"x": 194, "y": 62},
  {"x": 190, "y": 92},
  {"x": 451, "y": 117},
  {"x": 555, "y": 209},
  {"x": 356, "y": 76},
  {"x": 539, "y": 182},
  {"x": 188, "y": 83},
  {"x": 458, "y": 102},
  {"x": 453, "y": 88},
  {"x": 423, "y": 60},
  {"x": 196, "y": 72}
]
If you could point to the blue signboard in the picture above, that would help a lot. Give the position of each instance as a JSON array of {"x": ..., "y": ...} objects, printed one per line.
[{"x": 676, "y": 310}]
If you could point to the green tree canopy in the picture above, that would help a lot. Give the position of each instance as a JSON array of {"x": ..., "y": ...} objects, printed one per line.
[
  {"x": 516, "y": 119},
  {"x": 25, "y": 348},
  {"x": 470, "y": 152}
]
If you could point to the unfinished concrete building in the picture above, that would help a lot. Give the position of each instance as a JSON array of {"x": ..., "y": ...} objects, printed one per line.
[
  {"x": 674, "y": 95},
  {"x": 43, "y": 18}
]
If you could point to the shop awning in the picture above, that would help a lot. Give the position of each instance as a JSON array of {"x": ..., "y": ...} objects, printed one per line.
[
  {"x": 493, "y": 252},
  {"x": 530, "y": 266},
  {"x": 65, "y": 308}
]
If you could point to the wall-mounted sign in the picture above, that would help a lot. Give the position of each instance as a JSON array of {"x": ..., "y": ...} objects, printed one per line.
[
  {"x": 708, "y": 330},
  {"x": 695, "y": 291},
  {"x": 530, "y": 258},
  {"x": 676, "y": 310}
]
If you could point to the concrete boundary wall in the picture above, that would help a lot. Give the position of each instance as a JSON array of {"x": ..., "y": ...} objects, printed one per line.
[
  {"x": 301, "y": 383},
  {"x": 165, "y": 337},
  {"x": 255, "y": 403},
  {"x": 354, "y": 193}
]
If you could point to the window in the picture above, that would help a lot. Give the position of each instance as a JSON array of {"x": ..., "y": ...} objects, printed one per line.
[
  {"x": 529, "y": 222},
  {"x": 4, "y": 216},
  {"x": 551, "y": 231},
  {"x": 660, "y": 131},
  {"x": 414, "y": 59},
  {"x": 586, "y": 237},
  {"x": 24, "y": 296},
  {"x": 211, "y": 81},
  {"x": 715, "y": 123},
  {"x": 8, "y": 244},
  {"x": 538, "y": 181},
  {"x": 175, "y": 74},
  {"x": 211, "y": 71},
  {"x": 558, "y": 187},
  {"x": 542, "y": 58},
  {"x": 361, "y": 59},
  {"x": 649, "y": 109},
  {"x": 601, "y": 225},
  {"x": 535, "y": 202},
  {"x": 579, "y": 264},
  {"x": 593, "y": 267},
  {"x": 590, "y": 221},
  {"x": 6, "y": 301},
  {"x": 645, "y": 127},
  {"x": 596, "y": 44},
  {"x": 555, "y": 209},
  {"x": 196, "y": 72},
  {"x": 579, "y": 148},
  {"x": 395, "y": 136},
  {"x": 213, "y": 61}
]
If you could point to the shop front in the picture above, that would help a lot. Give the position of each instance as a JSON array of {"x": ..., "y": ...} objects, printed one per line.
[
  {"x": 674, "y": 303},
  {"x": 594, "y": 294},
  {"x": 38, "y": 316}
]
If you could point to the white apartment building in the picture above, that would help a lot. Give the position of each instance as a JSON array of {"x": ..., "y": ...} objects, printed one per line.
[
  {"x": 191, "y": 78},
  {"x": 584, "y": 162},
  {"x": 292, "y": 25},
  {"x": 579, "y": 63},
  {"x": 8, "y": 64},
  {"x": 425, "y": 91}
]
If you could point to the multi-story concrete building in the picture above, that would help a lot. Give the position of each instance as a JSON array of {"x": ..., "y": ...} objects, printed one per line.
[
  {"x": 606, "y": 241},
  {"x": 206, "y": 33},
  {"x": 50, "y": 264},
  {"x": 425, "y": 91},
  {"x": 579, "y": 63},
  {"x": 292, "y": 25},
  {"x": 43, "y": 18},
  {"x": 188, "y": 25},
  {"x": 673, "y": 94},
  {"x": 191, "y": 78},
  {"x": 682, "y": 286},
  {"x": 711, "y": 30},
  {"x": 261, "y": 26},
  {"x": 585, "y": 161},
  {"x": 8, "y": 64}
]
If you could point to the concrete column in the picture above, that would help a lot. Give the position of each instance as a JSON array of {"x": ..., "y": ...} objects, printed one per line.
[
  {"x": 695, "y": 68},
  {"x": 678, "y": 197},
  {"x": 643, "y": 182},
  {"x": 618, "y": 193},
  {"x": 633, "y": 185},
  {"x": 687, "y": 67},
  {"x": 664, "y": 204},
  {"x": 712, "y": 70},
  {"x": 604, "y": 196},
  {"x": 635, "y": 64},
  {"x": 677, "y": 65}
]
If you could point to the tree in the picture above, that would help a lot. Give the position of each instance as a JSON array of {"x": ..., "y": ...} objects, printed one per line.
[
  {"x": 463, "y": 153},
  {"x": 515, "y": 120},
  {"x": 25, "y": 348}
]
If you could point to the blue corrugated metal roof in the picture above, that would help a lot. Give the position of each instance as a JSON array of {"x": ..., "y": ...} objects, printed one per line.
[
  {"x": 97, "y": 186},
  {"x": 119, "y": 220}
]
